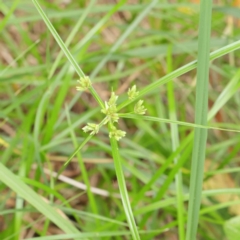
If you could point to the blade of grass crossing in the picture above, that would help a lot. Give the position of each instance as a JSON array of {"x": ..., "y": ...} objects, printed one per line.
[
  {"x": 26, "y": 153},
  {"x": 180, "y": 71},
  {"x": 157, "y": 119},
  {"x": 71, "y": 36},
  {"x": 123, "y": 189},
  {"x": 175, "y": 145},
  {"x": 65, "y": 50},
  {"x": 200, "y": 135},
  {"x": 223, "y": 98},
  {"x": 86, "y": 38},
  {"x": 58, "y": 39},
  {"x": 83, "y": 168}
]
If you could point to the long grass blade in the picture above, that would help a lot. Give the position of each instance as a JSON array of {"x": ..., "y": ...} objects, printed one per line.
[
  {"x": 123, "y": 189},
  {"x": 201, "y": 110},
  {"x": 157, "y": 119},
  {"x": 12, "y": 181},
  {"x": 65, "y": 50},
  {"x": 180, "y": 71},
  {"x": 58, "y": 39},
  {"x": 83, "y": 168},
  {"x": 170, "y": 201},
  {"x": 71, "y": 36},
  {"x": 175, "y": 145}
]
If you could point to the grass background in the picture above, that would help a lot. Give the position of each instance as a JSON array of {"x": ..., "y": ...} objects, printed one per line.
[{"x": 117, "y": 45}]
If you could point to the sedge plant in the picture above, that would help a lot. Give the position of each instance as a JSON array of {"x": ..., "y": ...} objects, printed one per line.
[{"x": 112, "y": 111}]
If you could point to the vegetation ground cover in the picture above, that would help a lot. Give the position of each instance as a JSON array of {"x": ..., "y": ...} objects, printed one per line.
[{"x": 160, "y": 149}]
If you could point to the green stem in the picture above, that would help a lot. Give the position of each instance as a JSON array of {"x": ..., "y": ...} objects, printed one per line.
[{"x": 122, "y": 188}]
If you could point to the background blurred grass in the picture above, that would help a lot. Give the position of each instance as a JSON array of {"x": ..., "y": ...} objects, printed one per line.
[{"x": 42, "y": 116}]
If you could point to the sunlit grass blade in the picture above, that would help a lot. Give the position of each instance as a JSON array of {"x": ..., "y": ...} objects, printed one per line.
[
  {"x": 123, "y": 189},
  {"x": 201, "y": 110}
]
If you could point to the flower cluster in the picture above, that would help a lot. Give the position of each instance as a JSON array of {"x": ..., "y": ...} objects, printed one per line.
[
  {"x": 139, "y": 108},
  {"x": 116, "y": 133},
  {"x": 110, "y": 110},
  {"x": 132, "y": 92},
  {"x": 85, "y": 84},
  {"x": 91, "y": 127}
]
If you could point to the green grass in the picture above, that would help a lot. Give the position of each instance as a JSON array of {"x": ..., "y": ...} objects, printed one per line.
[
  {"x": 144, "y": 186},
  {"x": 201, "y": 109}
]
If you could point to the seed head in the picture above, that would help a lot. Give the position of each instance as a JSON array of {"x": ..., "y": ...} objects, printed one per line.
[
  {"x": 110, "y": 109},
  {"x": 117, "y": 134},
  {"x": 139, "y": 108},
  {"x": 132, "y": 92},
  {"x": 85, "y": 84},
  {"x": 91, "y": 127}
]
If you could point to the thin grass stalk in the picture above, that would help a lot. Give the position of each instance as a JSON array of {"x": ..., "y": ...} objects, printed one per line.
[
  {"x": 123, "y": 189},
  {"x": 82, "y": 168},
  {"x": 171, "y": 201},
  {"x": 65, "y": 50},
  {"x": 71, "y": 36},
  {"x": 201, "y": 106},
  {"x": 165, "y": 120},
  {"x": 180, "y": 71},
  {"x": 58, "y": 39},
  {"x": 175, "y": 145}
]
